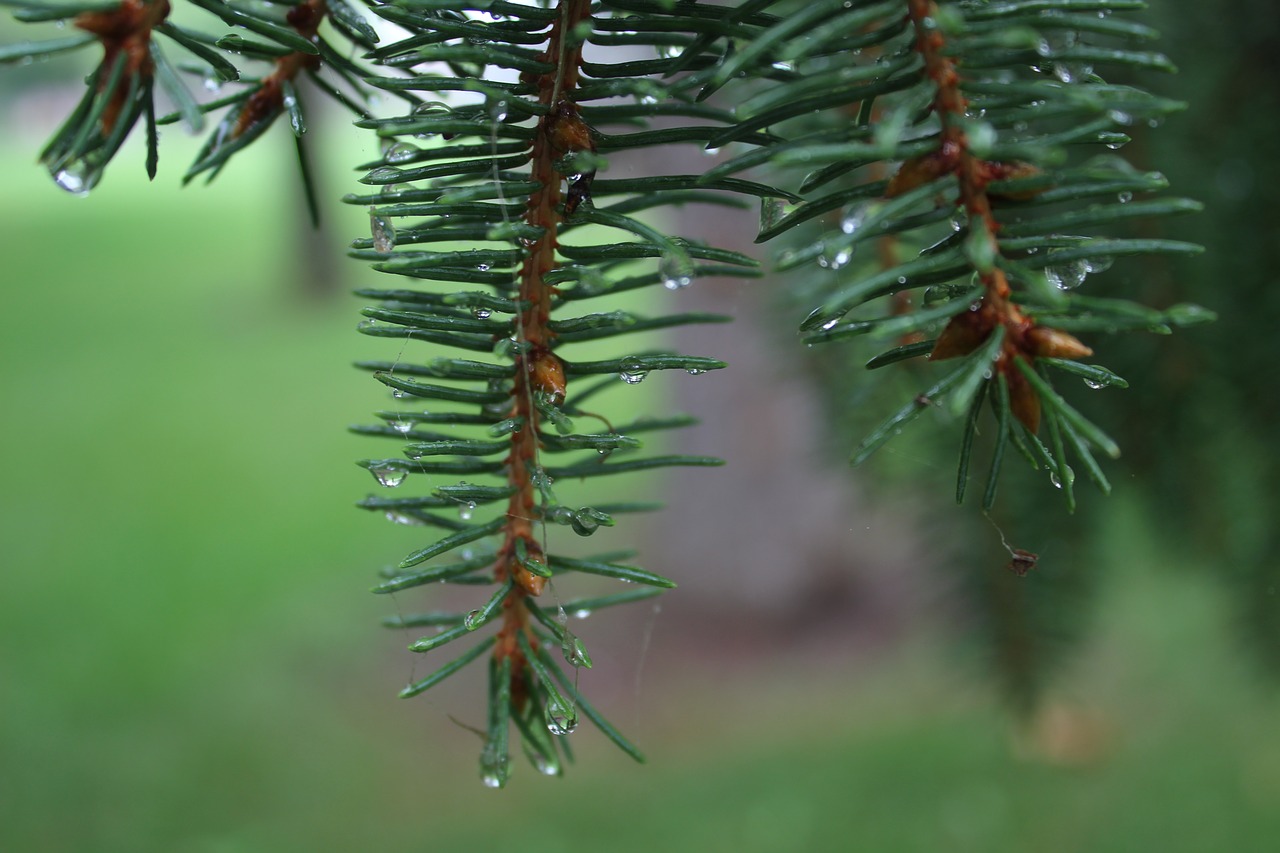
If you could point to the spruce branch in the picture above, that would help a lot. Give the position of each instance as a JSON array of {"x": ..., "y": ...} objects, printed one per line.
[
  {"x": 981, "y": 234},
  {"x": 511, "y": 176}
]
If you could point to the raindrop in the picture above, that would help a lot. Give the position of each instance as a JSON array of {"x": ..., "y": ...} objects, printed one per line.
[
  {"x": 430, "y": 108},
  {"x": 400, "y": 518},
  {"x": 1057, "y": 484},
  {"x": 389, "y": 477},
  {"x": 574, "y": 652},
  {"x": 632, "y": 371},
  {"x": 545, "y": 766},
  {"x": 212, "y": 83},
  {"x": 675, "y": 270},
  {"x": 384, "y": 233},
  {"x": 494, "y": 769},
  {"x": 399, "y": 152},
  {"x": 498, "y": 110},
  {"x": 693, "y": 371},
  {"x": 473, "y": 620},
  {"x": 398, "y": 394},
  {"x": 384, "y": 175},
  {"x": 1095, "y": 384},
  {"x": 841, "y": 258},
  {"x": 581, "y": 613},
  {"x": 76, "y": 177},
  {"x": 402, "y": 426},
  {"x": 466, "y": 510},
  {"x": 482, "y": 313},
  {"x": 852, "y": 217},
  {"x": 830, "y": 324},
  {"x": 959, "y": 219},
  {"x": 1069, "y": 275},
  {"x": 1125, "y": 197},
  {"x": 561, "y": 721},
  {"x": 1096, "y": 265}
]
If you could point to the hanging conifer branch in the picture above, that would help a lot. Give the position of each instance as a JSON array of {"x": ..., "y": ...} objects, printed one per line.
[
  {"x": 966, "y": 331},
  {"x": 508, "y": 173},
  {"x": 985, "y": 105}
]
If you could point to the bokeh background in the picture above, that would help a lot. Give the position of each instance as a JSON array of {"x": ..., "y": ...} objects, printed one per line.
[{"x": 189, "y": 659}]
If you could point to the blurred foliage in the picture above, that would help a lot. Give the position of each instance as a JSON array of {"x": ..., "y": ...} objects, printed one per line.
[{"x": 183, "y": 670}]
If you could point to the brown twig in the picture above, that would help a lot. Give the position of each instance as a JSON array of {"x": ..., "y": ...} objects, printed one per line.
[
  {"x": 538, "y": 370},
  {"x": 968, "y": 330}
]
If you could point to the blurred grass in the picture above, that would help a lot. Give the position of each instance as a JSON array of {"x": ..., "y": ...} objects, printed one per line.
[{"x": 191, "y": 663}]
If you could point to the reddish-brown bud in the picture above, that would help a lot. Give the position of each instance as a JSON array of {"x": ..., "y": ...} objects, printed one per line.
[
  {"x": 1024, "y": 402},
  {"x": 919, "y": 171},
  {"x": 997, "y": 171},
  {"x": 547, "y": 376},
  {"x": 1045, "y": 342},
  {"x": 964, "y": 334}
]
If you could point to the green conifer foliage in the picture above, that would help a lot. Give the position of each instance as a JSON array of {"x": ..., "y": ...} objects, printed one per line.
[{"x": 938, "y": 177}]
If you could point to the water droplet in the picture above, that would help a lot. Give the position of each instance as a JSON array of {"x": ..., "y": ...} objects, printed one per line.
[
  {"x": 632, "y": 371},
  {"x": 399, "y": 152},
  {"x": 561, "y": 721},
  {"x": 473, "y": 620},
  {"x": 675, "y": 270},
  {"x": 581, "y": 613},
  {"x": 212, "y": 83},
  {"x": 483, "y": 267},
  {"x": 545, "y": 766},
  {"x": 482, "y": 313},
  {"x": 1095, "y": 384},
  {"x": 384, "y": 233},
  {"x": 841, "y": 258},
  {"x": 830, "y": 324},
  {"x": 1095, "y": 265},
  {"x": 1068, "y": 275},
  {"x": 466, "y": 510},
  {"x": 399, "y": 518},
  {"x": 693, "y": 371},
  {"x": 574, "y": 652},
  {"x": 402, "y": 426},
  {"x": 852, "y": 217},
  {"x": 398, "y": 394},
  {"x": 389, "y": 477},
  {"x": 77, "y": 177},
  {"x": 498, "y": 110},
  {"x": 494, "y": 769},
  {"x": 384, "y": 175},
  {"x": 1125, "y": 197},
  {"x": 431, "y": 107},
  {"x": 1057, "y": 484}
]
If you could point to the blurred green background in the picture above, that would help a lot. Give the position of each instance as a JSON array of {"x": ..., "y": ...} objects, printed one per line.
[{"x": 190, "y": 660}]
